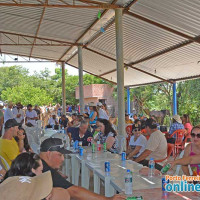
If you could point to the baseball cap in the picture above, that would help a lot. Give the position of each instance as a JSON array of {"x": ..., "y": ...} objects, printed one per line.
[
  {"x": 138, "y": 126},
  {"x": 99, "y": 104},
  {"x": 26, "y": 188},
  {"x": 53, "y": 144},
  {"x": 11, "y": 123}
]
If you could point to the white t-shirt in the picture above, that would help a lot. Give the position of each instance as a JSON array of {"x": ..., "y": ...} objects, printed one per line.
[
  {"x": 141, "y": 141},
  {"x": 16, "y": 112},
  {"x": 8, "y": 115},
  {"x": 52, "y": 121},
  {"x": 103, "y": 114},
  {"x": 31, "y": 114}
]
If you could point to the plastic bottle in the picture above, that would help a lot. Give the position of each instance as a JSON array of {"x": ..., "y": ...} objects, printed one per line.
[
  {"x": 166, "y": 168},
  {"x": 72, "y": 143},
  {"x": 128, "y": 182},
  {"x": 63, "y": 130},
  {"x": 151, "y": 167}
]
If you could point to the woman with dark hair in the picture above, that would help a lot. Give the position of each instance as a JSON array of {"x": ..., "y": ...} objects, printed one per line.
[
  {"x": 30, "y": 164},
  {"x": 25, "y": 164},
  {"x": 107, "y": 135},
  {"x": 21, "y": 131}
]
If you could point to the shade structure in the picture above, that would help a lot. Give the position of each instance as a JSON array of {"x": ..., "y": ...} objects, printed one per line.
[{"x": 161, "y": 37}]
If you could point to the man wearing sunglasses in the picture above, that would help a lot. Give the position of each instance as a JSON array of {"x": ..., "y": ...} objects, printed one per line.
[
  {"x": 156, "y": 145},
  {"x": 52, "y": 154}
]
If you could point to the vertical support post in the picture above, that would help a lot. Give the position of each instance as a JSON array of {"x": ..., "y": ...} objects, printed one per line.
[
  {"x": 128, "y": 101},
  {"x": 120, "y": 78},
  {"x": 81, "y": 92},
  {"x": 174, "y": 99},
  {"x": 63, "y": 89}
]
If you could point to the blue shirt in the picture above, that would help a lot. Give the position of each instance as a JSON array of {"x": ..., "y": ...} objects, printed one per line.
[
  {"x": 95, "y": 119},
  {"x": 75, "y": 135},
  {"x": 175, "y": 126}
]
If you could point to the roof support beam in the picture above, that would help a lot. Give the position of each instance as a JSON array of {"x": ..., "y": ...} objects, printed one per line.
[
  {"x": 38, "y": 28},
  {"x": 100, "y": 6},
  {"x": 53, "y": 45},
  {"x": 40, "y": 38},
  {"x": 20, "y": 54},
  {"x": 86, "y": 31},
  {"x": 127, "y": 65}
]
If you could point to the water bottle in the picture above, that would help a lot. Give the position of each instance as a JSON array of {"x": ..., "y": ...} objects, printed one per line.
[
  {"x": 128, "y": 183},
  {"x": 63, "y": 130},
  {"x": 151, "y": 167}
]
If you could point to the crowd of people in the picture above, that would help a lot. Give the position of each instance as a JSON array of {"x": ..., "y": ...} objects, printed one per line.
[{"x": 145, "y": 142}]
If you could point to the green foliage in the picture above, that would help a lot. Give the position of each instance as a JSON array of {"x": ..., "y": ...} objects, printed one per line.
[{"x": 26, "y": 94}]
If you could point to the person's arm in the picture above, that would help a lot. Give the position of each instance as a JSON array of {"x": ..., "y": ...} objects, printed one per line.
[
  {"x": 186, "y": 154},
  {"x": 79, "y": 193},
  {"x": 134, "y": 152},
  {"x": 109, "y": 142},
  {"x": 145, "y": 154}
]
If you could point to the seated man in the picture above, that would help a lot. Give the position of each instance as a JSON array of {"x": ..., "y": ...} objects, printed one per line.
[
  {"x": 53, "y": 120},
  {"x": 9, "y": 148},
  {"x": 137, "y": 143},
  {"x": 80, "y": 133},
  {"x": 156, "y": 145},
  {"x": 63, "y": 121},
  {"x": 52, "y": 154},
  {"x": 177, "y": 124}
]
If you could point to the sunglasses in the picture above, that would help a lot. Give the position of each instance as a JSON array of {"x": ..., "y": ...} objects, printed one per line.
[
  {"x": 193, "y": 135},
  {"x": 137, "y": 129}
]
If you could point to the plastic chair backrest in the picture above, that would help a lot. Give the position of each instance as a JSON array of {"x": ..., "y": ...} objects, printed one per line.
[
  {"x": 4, "y": 162},
  {"x": 179, "y": 136},
  {"x": 129, "y": 129},
  {"x": 170, "y": 148}
]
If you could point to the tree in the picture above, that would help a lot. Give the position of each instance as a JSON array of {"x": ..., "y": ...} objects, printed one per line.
[{"x": 26, "y": 94}]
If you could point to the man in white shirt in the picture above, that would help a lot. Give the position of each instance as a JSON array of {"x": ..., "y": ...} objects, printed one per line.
[
  {"x": 8, "y": 112},
  {"x": 31, "y": 115},
  {"x": 156, "y": 145},
  {"x": 102, "y": 112},
  {"x": 53, "y": 120},
  {"x": 19, "y": 113}
]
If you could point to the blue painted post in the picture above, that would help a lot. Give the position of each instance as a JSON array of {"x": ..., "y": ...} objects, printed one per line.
[
  {"x": 174, "y": 99},
  {"x": 128, "y": 101}
]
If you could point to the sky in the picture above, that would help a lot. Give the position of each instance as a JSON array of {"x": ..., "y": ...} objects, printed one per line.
[{"x": 34, "y": 66}]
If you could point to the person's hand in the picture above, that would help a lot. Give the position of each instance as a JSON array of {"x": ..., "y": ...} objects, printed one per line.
[
  {"x": 172, "y": 163},
  {"x": 118, "y": 197},
  {"x": 20, "y": 136},
  {"x": 18, "y": 115}
]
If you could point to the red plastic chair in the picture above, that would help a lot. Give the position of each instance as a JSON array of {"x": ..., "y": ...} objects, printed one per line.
[
  {"x": 179, "y": 143},
  {"x": 170, "y": 149},
  {"x": 129, "y": 134}
]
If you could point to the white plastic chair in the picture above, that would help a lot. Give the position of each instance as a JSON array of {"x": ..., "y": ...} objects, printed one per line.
[{"x": 5, "y": 164}]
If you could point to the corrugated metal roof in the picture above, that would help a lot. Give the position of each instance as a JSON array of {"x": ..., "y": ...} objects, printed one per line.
[{"x": 145, "y": 44}]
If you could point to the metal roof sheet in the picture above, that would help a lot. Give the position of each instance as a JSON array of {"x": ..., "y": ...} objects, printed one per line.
[{"x": 163, "y": 51}]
